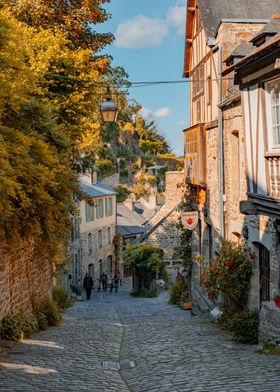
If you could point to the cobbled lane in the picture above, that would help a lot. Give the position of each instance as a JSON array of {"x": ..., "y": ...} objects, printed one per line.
[{"x": 171, "y": 349}]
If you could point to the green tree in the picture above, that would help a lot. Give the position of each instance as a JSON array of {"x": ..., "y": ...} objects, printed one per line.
[{"x": 147, "y": 263}]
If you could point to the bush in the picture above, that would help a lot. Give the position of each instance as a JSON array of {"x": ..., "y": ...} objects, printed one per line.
[
  {"x": 244, "y": 326},
  {"x": 60, "y": 297},
  {"x": 179, "y": 292},
  {"x": 230, "y": 276},
  {"x": 18, "y": 326},
  {"x": 42, "y": 321},
  {"x": 51, "y": 311},
  {"x": 122, "y": 193},
  {"x": 77, "y": 290},
  {"x": 144, "y": 293}
]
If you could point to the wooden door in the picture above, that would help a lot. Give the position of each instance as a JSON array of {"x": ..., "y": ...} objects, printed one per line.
[{"x": 264, "y": 273}]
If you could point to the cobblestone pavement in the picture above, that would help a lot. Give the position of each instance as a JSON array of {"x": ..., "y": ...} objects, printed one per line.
[{"x": 172, "y": 351}]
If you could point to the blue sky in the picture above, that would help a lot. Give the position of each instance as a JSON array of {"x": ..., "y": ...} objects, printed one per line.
[{"x": 149, "y": 44}]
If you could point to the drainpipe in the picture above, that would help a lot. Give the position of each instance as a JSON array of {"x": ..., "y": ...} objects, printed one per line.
[
  {"x": 220, "y": 146},
  {"x": 220, "y": 143}
]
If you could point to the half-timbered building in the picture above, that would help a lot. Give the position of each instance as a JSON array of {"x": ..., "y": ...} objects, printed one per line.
[{"x": 218, "y": 34}]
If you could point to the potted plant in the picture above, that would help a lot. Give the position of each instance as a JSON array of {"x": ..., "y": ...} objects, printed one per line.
[{"x": 276, "y": 298}]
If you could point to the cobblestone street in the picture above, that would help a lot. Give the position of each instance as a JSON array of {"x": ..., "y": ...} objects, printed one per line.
[{"x": 172, "y": 351}]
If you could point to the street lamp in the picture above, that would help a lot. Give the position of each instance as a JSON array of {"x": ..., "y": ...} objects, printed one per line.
[{"x": 109, "y": 109}]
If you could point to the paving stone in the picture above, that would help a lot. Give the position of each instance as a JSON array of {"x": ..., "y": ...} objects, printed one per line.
[{"x": 172, "y": 351}]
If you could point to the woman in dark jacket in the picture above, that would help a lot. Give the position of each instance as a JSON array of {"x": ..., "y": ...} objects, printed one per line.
[{"x": 88, "y": 285}]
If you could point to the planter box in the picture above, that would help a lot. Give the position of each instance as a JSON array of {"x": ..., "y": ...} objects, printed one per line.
[
  {"x": 187, "y": 305},
  {"x": 277, "y": 302}
]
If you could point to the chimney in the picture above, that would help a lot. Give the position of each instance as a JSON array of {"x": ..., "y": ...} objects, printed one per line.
[
  {"x": 130, "y": 202},
  {"x": 93, "y": 177}
]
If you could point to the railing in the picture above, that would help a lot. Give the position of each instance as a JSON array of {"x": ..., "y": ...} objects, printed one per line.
[{"x": 273, "y": 163}]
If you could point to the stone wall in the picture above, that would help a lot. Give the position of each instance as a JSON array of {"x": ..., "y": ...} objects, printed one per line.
[
  {"x": 166, "y": 235},
  {"x": 270, "y": 323},
  {"x": 25, "y": 274},
  {"x": 113, "y": 180}
]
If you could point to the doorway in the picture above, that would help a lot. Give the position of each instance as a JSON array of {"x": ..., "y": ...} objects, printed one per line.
[{"x": 264, "y": 266}]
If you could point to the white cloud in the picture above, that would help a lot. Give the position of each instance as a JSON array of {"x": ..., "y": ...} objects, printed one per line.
[
  {"x": 176, "y": 17},
  {"x": 143, "y": 32},
  {"x": 160, "y": 113},
  {"x": 140, "y": 32},
  {"x": 163, "y": 112},
  {"x": 145, "y": 112}
]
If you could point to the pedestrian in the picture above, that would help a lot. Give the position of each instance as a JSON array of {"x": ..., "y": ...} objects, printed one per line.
[
  {"x": 111, "y": 284},
  {"x": 116, "y": 282},
  {"x": 88, "y": 285},
  {"x": 99, "y": 284},
  {"x": 104, "y": 281}
]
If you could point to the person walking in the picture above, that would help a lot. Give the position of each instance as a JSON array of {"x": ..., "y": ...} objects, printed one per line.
[
  {"x": 104, "y": 281},
  {"x": 88, "y": 285},
  {"x": 116, "y": 282}
]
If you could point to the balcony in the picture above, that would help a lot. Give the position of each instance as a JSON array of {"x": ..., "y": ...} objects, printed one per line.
[
  {"x": 273, "y": 166},
  {"x": 268, "y": 204},
  {"x": 195, "y": 155}
]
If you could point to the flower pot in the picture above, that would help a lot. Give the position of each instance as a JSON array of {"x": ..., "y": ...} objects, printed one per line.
[{"x": 277, "y": 302}]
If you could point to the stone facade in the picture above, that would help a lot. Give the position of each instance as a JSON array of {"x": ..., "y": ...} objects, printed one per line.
[
  {"x": 166, "y": 235},
  {"x": 269, "y": 324},
  {"x": 25, "y": 275}
]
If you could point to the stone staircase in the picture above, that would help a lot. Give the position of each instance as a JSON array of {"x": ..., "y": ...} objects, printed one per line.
[{"x": 201, "y": 302}]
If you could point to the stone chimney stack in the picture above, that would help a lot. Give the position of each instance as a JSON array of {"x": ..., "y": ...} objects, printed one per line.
[{"x": 93, "y": 177}]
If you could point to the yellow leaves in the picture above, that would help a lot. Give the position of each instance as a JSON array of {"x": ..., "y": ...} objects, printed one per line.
[{"x": 91, "y": 139}]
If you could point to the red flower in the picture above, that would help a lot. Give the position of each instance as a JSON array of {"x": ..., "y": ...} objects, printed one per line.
[{"x": 252, "y": 256}]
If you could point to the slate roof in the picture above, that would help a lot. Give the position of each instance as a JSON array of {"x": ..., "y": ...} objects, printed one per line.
[
  {"x": 241, "y": 51},
  {"x": 129, "y": 222},
  {"x": 96, "y": 190},
  {"x": 214, "y": 11},
  {"x": 271, "y": 28}
]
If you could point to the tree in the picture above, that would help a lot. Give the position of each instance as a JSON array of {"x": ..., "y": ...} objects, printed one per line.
[
  {"x": 147, "y": 262},
  {"x": 75, "y": 19},
  {"x": 45, "y": 113}
]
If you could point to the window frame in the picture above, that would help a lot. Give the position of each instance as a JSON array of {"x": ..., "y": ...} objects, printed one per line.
[{"x": 270, "y": 133}]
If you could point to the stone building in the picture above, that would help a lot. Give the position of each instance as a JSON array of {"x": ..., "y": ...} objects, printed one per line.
[
  {"x": 218, "y": 33},
  {"x": 257, "y": 74},
  {"x": 161, "y": 229},
  {"x": 94, "y": 249}
]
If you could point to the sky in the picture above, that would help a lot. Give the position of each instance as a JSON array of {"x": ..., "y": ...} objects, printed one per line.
[{"x": 149, "y": 44}]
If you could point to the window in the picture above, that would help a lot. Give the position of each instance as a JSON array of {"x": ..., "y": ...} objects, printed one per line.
[
  {"x": 99, "y": 208},
  {"x": 89, "y": 243},
  {"x": 275, "y": 113},
  {"x": 108, "y": 206},
  {"x": 109, "y": 235},
  {"x": 209, "y": 90},
  {"x": 198, "y": 81},
  {"x": 89, "y": 212},
  {"x": 99, "y": 239}
]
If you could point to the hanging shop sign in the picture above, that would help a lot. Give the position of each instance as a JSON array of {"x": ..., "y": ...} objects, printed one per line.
[{"x": 189, "y": 219}]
